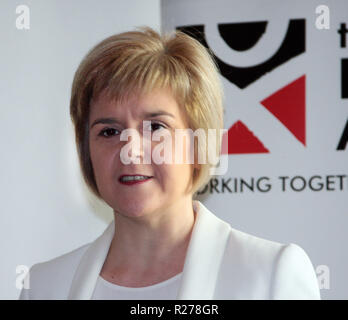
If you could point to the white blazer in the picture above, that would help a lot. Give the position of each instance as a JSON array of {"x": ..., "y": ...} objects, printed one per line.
[{"x": 221, "y": 263}]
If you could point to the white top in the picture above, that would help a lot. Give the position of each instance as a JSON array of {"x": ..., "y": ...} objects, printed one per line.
[{"x": 165, "y": 290}]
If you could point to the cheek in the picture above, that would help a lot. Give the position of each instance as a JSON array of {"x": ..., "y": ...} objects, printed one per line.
[
  {"x": 175, "y": 172},
  {"x": 102, "y": 160},
  {"x": 184, "y": 151},
  {"x": 180, "y": 170}
]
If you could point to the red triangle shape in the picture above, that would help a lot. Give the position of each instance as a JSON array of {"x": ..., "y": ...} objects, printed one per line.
[
  {"x": 241, "y": 140},
  {"x": 289, "y": 107}
]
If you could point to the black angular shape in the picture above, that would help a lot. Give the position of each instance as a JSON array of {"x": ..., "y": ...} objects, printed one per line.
[{"x": 292, "y": 46}]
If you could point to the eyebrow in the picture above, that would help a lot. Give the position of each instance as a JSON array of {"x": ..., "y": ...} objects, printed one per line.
[{"x": 146, "y": 114}]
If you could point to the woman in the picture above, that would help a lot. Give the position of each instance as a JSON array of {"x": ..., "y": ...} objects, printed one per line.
[{"x": 162, "y": 244}]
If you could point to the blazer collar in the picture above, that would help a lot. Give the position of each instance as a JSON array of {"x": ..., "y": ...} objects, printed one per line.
[{"x": 203, "y": 258}]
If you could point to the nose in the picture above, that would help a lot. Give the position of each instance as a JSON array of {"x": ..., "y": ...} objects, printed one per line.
[
  {"x": 132, "y": 151},
  {"x": 136, "y": 149}
]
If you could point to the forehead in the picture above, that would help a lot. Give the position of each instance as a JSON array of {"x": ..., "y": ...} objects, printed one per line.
[{"x": 136, "y": 105}]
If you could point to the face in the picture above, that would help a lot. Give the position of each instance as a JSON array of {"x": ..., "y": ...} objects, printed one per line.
[{"x": 169, "y": 182}]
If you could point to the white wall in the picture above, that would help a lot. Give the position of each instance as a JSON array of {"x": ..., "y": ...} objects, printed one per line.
[{"x": 45, "y": 208}]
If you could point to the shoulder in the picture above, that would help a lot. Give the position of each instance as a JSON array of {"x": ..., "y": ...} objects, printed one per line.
[
  {"x": 265, "y": 269},
  {"x": 252, "y": 249},
  {"x": 252, "y": 260},
  {"x": 51, "y": 279},
  {"x": 294, "y": 276}
]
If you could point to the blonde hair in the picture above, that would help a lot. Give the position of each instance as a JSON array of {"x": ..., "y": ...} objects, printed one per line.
[{"x": 138, "y": 62}]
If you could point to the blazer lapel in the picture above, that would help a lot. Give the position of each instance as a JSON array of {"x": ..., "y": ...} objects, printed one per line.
[
  {"x": 204, "y": 255},
  {"x": 88, "y": 270},
  {"x": 203, "y": 259}
]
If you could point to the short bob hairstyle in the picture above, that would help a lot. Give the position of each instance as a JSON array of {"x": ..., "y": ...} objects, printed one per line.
[{"x": 137, "y": 62}]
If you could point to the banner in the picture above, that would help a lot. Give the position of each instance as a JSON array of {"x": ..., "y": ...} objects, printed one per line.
[{"x": 284, "y": 67}]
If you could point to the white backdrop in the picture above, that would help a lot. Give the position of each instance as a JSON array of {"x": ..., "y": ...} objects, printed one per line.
[
  {"x": 45, "y": 209},
  {"x": 285, "y": 115}
]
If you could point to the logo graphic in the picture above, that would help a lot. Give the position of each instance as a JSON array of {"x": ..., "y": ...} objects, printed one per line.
[{"x": 287, "y": 104}]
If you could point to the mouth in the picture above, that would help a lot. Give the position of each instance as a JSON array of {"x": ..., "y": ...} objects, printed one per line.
[{"x": 133, "y": 179}]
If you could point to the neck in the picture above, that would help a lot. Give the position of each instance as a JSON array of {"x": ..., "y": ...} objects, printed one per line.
[{"x": 147, "y": 243}]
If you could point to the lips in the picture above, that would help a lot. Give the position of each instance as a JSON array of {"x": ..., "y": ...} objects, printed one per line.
[{"x": 134, "y": 181}]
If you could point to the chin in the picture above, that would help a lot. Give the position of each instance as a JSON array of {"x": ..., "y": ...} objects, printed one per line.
[{"x": 133, "y": 207}]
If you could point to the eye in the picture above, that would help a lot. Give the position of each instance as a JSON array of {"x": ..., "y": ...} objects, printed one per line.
[
  {"x": 156, "y": 125},
  {"x": 107, "y": 132}
]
